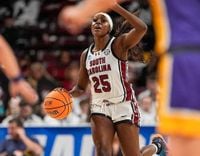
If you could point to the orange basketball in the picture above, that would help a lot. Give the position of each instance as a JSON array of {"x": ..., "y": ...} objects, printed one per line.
[{"x": 58, "y": 103}]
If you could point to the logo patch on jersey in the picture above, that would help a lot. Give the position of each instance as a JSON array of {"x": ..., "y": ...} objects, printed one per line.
[
  {"x": 107, "y": 51},
  {"x": 89, "y": 57}
]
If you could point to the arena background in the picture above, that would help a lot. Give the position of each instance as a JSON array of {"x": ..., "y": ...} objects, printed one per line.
[{"x": 49, "y": 58}]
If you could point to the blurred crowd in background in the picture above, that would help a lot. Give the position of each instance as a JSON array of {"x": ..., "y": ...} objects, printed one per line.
[{"x": 49, "y": 58}]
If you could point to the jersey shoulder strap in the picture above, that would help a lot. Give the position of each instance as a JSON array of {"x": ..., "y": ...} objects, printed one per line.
[{"x": 110, "y": 42}]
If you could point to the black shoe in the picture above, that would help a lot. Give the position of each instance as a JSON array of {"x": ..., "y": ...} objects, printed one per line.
[{"x": 160, "y": 143}]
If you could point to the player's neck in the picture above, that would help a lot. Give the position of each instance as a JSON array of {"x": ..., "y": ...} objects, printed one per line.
[{"x": 100, "y": 43}]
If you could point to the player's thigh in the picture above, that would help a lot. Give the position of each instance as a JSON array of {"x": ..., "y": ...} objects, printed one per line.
[
  {"x": 179, "y": 99},
  {"x": 184, "y": 146},
  {"x": 129, "y": 138},
  {"x": 102, "y": 130}
]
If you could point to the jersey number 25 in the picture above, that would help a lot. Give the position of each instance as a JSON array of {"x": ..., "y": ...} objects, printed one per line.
[{"x": 101, "y": 84}]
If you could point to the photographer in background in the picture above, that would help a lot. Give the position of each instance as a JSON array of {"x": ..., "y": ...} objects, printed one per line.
[{"x": 18, "y": 143}]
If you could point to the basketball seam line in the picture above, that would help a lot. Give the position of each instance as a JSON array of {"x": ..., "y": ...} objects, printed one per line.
[
  {"x": 58, "y": 107},
  {"x": 64, "y": 105},
  {"x": 63, "y": 90},
  {"x": 57, "y": 99},
  {"x": 62, "y": 95}
]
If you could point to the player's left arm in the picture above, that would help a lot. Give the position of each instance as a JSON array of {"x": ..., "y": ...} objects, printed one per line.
[
  {"x": 11, "y": 69},
  {"x": 130, "y": 39},
  {"x": 7, "y": 60},
  {"x": 83, "y": 79},
  {"x": 75, "y": 18}
]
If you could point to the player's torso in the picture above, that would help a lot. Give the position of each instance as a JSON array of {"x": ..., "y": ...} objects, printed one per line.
[
  {"x": 183, "y": 17},
  {"x": 107, "y": 75},
  {"x": 177, "y": 24}
]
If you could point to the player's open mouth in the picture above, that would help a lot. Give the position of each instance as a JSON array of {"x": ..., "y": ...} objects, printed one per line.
[{"x": 97, "y": 28}]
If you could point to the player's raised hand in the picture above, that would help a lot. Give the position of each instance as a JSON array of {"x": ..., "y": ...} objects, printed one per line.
[
  {"x": 76, "y": 18},
  {"x": 71, "y": 19}
]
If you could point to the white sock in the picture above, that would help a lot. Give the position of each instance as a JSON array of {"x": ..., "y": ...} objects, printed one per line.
[{"x": 155, "y": 148}]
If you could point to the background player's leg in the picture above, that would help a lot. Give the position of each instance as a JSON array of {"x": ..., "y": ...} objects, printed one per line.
[
  {"x": 103, "y": 133},
  {"x": 129, "y": 138},
  {"x": 180, "y": 146}
]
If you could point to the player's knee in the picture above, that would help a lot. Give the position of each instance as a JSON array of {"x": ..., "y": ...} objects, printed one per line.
[
  {"x": 103, "y": 149},
  {"x": 131, "y": 152}
]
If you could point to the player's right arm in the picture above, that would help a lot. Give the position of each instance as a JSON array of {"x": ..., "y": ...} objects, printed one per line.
[
  {"x": 128, "y": 40},
  {"x": 83, "y": 79}
]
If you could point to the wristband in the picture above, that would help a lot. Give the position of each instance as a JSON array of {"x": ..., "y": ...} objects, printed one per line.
[{"x": 17, "y": 78}]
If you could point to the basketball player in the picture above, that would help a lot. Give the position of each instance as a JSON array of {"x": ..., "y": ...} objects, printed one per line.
[
  {"x": 178, "y": 44},
  {"x": 18, "y": 86},
  {"x": 113, "y": 106}
]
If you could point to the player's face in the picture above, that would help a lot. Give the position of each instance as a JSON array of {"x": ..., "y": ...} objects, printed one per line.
[{"x": 100, "y": 25}]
